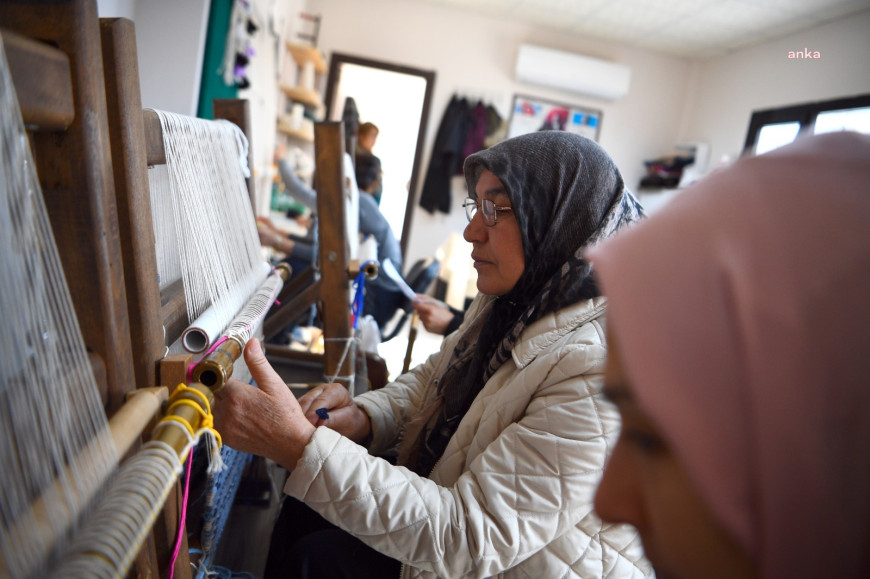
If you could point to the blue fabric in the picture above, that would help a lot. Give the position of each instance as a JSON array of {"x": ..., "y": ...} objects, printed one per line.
[{"x": 221, "y": 492}]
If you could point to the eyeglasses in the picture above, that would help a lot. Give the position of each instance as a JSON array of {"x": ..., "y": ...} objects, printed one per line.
[{"x": 490, "y": 210}]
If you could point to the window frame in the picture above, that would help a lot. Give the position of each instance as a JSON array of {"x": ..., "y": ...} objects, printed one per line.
[{"x": 805, "y": 114}]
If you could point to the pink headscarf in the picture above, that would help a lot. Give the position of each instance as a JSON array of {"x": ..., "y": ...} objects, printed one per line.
[{"x": 743, "y": 314}]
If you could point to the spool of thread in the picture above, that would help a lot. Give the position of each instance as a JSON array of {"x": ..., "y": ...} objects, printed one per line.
[
  {"x": 306, "y": 79},
  {"x": 368, "y": 249},
  {"x": 371, "y": 269}
]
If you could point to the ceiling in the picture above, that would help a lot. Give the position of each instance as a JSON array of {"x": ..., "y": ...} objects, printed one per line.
[{"x": 685, "y": 28}]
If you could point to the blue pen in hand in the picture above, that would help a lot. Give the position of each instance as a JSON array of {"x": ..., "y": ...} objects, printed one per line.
[{"x": 322, "y": 413}]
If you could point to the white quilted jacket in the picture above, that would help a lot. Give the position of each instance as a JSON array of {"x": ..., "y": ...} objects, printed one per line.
[{"x": 512, "y": 494}]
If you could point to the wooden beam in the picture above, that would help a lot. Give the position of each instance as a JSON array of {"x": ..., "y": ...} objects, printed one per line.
[
  {"x": 75, "y": 171},
  {"x": 286, "y": 353},
  {"x": 332, "y": 226},
  {"x": 132, "y": 196},
  {"x": 303, "y": 279},
  {"x": 45, "y": 99},
  {"x": 155, "y": 153}
]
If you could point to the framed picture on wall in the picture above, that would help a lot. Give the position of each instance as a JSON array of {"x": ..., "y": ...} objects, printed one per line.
[{"x": 530, "y": 114}]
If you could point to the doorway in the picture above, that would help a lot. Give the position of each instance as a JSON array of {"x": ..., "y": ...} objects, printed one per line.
[{"x": 396, "y": 99}]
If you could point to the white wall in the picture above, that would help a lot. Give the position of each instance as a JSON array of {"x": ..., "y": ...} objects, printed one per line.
[
  {"x": 170, "y": 45},
  {"x": 170, "y": 39},
  {"x": 116, "y": 8},
  {"x": 729, "y": 88},
  {"x": 475, "y": 55}
]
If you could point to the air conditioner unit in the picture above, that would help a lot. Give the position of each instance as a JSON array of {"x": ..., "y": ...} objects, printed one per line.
[{"x": 572, "y": 72}]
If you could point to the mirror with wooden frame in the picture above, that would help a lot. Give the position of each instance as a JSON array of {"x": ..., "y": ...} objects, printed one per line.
[{"x": 396, "y": 99}]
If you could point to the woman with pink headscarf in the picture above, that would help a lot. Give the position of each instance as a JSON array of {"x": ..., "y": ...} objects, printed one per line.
[{"x": 739, "y": 323}]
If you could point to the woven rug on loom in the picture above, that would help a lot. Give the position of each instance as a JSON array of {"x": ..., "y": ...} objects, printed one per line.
[{"x": 220, "y": 495}]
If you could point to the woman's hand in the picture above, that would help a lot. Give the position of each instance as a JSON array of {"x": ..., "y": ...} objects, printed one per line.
[
  {"x": 280, "y": 151},
  {"x": 265, "y": 421},
  {"x": 268, "y": 236},
  {"x": 334, "y": 401},
  {"x": 434, "y": 314},
  {"x": 271, "y": 236},
  {"x": 263, "y": 221}
]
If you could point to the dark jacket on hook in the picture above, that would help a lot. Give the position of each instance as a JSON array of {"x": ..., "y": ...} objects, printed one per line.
[
  {"x": 476, "y": 131},
  {"x": 446, "y": 156}
]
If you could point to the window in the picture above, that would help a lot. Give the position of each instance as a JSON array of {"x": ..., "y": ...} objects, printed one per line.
[
  {"x": 857, "y": 119},
  {"x": 773, "y": 128}
]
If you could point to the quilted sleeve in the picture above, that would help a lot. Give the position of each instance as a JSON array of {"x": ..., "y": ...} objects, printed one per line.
[
  {"x": 393, "y": 405},
  {"x": 533, "y": 483}
]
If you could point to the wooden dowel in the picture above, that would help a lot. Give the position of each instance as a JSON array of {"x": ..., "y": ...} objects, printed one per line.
[
  {"x": 130, "y": 420},
  {"x": 123, "y": 429}
]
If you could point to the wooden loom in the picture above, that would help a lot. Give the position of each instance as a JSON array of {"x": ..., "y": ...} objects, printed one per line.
[
  {"x": 100, "y": 211},
  {"x": 326, "y": 284}
]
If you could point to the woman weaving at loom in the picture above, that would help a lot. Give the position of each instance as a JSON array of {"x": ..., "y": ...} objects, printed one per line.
[
  {"x": 501, "y": 436},
  {"x": 383, "y": 296}
]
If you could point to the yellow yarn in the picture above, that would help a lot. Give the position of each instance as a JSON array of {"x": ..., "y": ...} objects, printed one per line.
[{"x": 203, "y": 409}]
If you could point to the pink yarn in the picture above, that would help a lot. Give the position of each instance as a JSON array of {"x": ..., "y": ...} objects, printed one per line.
[{"x": 181, "y": 523}]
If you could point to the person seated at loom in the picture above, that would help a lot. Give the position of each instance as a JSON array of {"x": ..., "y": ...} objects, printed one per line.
[
  {"x": 501, "y": 436},
  {"x": 367, "y": 164},
  {"x": 297, "y": 250},
  {"x": 739, "y": 362},
  {"x": 437, "y": 317},
  {"x": 383, "y": 297}
]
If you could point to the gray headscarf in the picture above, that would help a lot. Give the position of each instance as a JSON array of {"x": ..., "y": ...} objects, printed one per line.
[{"x": 566, "y": 194}]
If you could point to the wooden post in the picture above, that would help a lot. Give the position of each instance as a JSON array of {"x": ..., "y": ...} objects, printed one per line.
[
  {"x": 132, "y": 195},
  {"x": 332, "y": 227}
]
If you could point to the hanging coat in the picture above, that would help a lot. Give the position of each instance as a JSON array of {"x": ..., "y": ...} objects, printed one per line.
[{"x": 446, "y": 156}]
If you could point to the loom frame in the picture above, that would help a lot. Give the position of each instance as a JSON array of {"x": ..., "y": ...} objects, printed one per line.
[
  {"x": 326, "y": 284},
  {"x": 92, "y": 144},
  {"x": 67, "y": 116}
]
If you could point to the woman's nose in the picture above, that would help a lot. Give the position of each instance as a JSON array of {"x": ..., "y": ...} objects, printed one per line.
[{"x": 476, "y": 229}]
